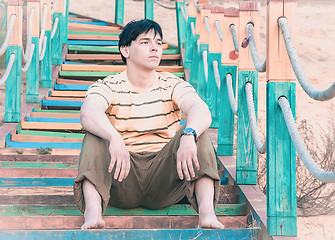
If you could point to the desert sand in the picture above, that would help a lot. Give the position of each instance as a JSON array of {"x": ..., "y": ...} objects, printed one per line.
[{"x": 315, "y": 46}]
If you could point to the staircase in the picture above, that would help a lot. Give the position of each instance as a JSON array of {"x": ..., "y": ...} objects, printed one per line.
[{"x": 40, "y": 160}]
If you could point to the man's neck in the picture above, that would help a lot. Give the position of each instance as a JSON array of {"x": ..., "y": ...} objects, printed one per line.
[{"x": 141, "y": 79}]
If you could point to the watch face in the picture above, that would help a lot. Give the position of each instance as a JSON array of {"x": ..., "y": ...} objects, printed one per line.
[{"x": 188, "y": 130}]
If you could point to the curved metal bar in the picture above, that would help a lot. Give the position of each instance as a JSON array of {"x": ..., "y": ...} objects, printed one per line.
[
  {"x": 308, "y": 161},
  {"x": 29, "y": 36},
  {"x": 8, "y": 34},
  {"x": 298, "y": 70},
  {"x": 183, "y": 13},
  {"x": 42, "y": 54},
  {"x": 260, "y": 67},
  {"x": 205, "y": 61},
  {"x": 8, "y": 69},
  {"x": 208, "y": 28},
  {"x": 234, "y": 35},
  {"x": 26, "y": 67},
  {"x": 163, "y": 5},
  {"x": 44, "y": 18},
  {"x": 232, "y": 101},
  {"x": 193, "y": 29},
  {"x": 53, "y": 9},
  {"x": 54, "y": 28},
  {"x": 217, "y": 74},
  {"x": 261, "y": 148},
  {"x": 218, "y": 29}
]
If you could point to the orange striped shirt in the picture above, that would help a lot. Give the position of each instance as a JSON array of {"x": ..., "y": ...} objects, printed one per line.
[{"x": 148, "y": 119}]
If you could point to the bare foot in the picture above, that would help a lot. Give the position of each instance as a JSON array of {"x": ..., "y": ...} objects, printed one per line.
[
  {"x": 93, "y": 221},
  {"x": 93, "y": 211},
  {"x": 209, "y": 221}
]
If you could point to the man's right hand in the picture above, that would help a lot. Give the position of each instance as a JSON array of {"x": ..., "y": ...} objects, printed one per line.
[{"x": 119, "y": 158}]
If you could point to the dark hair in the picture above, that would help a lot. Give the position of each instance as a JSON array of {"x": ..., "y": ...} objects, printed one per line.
[{"x": 135, "y": 28}]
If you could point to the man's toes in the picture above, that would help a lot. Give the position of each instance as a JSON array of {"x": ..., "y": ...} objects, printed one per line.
[
  {"x": 101, "y": 224},
  {"x": 218, "y": 226}
]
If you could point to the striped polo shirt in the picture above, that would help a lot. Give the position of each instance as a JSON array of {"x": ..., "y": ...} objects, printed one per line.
[{"x": 148, "y": 119}]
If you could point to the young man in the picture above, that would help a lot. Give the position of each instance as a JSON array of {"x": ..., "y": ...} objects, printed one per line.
[{"x": 135, "y": 153}]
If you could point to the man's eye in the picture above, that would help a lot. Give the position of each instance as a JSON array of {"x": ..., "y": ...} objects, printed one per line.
[
  {"x": 144, "y": 43},
  {"x": 159, "y": 43}
]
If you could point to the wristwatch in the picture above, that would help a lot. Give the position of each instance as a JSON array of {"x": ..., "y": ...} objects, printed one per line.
[{"x": 190, "y": 131}]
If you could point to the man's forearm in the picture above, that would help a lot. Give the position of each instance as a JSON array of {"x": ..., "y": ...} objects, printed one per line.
[
  {"x": 96, "y": 122},
  {"x": 199, "y": 118}
]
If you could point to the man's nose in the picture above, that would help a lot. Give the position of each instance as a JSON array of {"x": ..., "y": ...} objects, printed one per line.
[{"x": 154, "y": 47}]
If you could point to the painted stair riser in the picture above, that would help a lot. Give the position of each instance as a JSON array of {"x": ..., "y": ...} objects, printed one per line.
[
  {"x": 68, "y": 199},
  {"x": 36, "y": 182},
  {"x": 174, "y": 210},
  {"x": 226, "y": 234}
]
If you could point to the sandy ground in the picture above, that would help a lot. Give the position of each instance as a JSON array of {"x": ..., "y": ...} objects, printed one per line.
[{"x": 315, "y": 45}]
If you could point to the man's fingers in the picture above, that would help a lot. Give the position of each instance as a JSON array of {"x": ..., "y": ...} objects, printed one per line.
[
  {"x": 185, "y": 170},
  {"x": 196, "y": 162},
  {"x": 117, "y": 169},
  {"x": 190, "y": 167},
  {"x": 179, "y": 171},
  {"x": 122, "y": 172},
  {"x": 111, "y": 165},
  {"x": 127, "y": 169}
]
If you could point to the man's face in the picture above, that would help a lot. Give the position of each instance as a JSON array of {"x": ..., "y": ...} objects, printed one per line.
[{"x": 145, "y": 52}]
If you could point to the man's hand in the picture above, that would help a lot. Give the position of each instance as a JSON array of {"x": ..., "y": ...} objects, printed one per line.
[
  {"x": 120, "y": 158},
  {"x": 186, "y": 156}
]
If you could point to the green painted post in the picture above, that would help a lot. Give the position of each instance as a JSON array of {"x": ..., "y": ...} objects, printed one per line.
[
  {"x": 200, "y": 78},
  {"x": 181, "y": 23},
  {"x": 13, "y": 86},
  {"x": 149, "y": 9},
  {"x": 195, "y": 62},
  {"x": 33, "y": 74},
  {"x": 119, "y": 11},
  {"x": 46, "y": 63},
  {"x": 190, "y": 39},
  {"x": 65, "y": 28},
  {"x": 246, "y": 156},
  {"x": 212, "y": 90},
  {"x": 226, "y": 115},
  {"x": 214, "y": 54},
  {"x": 13, "y": 82},
  {"x": 280, "y": 151},
  {"x": 190, "y": 43},
  {"x": 228, "y": 66},
  {"x": 281, "y": 163},
  {"x": 56, "y": 42}
]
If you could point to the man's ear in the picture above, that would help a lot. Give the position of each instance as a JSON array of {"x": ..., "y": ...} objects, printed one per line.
[{"x": 124, "y": 51}]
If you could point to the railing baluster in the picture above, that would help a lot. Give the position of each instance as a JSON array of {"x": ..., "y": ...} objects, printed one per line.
[{"x": 280, "y": 154}]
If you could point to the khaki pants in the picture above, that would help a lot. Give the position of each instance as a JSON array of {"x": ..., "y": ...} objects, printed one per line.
[{"x": 152, "y": 182}]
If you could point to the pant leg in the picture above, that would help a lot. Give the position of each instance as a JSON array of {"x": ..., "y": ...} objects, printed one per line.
[
  {"x": 163, "y": 186},
  {"x": 94, "y": 160}
]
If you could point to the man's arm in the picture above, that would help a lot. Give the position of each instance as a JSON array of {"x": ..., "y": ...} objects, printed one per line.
[
  {"x": 94, "y": 120},
  {"x": 198, "y": 118}
]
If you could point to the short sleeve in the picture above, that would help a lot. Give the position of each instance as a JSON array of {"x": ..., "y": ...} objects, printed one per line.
[
  {"x": 181, "y": 90},
  {"x": 101, "y": 88}
]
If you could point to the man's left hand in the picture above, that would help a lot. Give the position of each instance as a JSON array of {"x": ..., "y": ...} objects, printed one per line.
[{"x": 186, "y": 156}]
